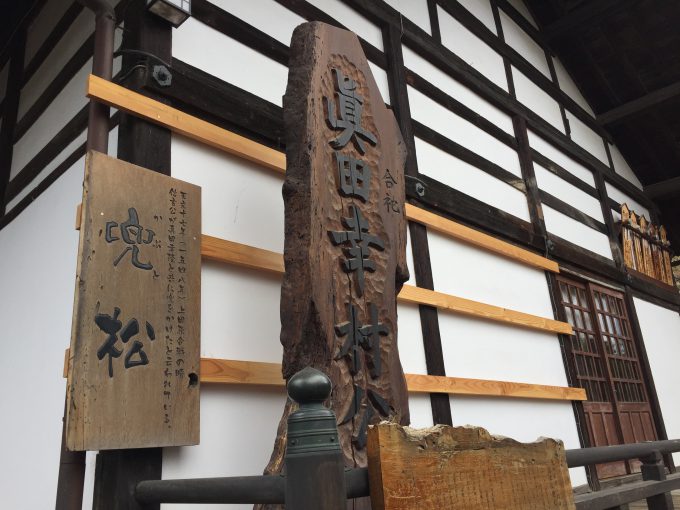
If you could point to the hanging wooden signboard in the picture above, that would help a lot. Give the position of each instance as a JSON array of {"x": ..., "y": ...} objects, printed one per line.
[
  {"x": 345, "y": 235},
  {"x": 133, "y": 378}
]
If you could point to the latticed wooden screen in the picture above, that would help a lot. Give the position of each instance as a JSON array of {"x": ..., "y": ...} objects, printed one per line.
[
  {"x": 590, "y": 370},
  {"x": 646, "y": 248},
  {"x": 603, "y": 359}
]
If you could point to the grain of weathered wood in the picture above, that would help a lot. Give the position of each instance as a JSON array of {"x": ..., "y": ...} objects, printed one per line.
[
  {"x": 464, "y": 468},
  {"x": 134, "y": 357},
  {"x": 345, "y": 236}
]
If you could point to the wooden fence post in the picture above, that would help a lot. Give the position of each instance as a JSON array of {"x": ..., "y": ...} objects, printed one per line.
[{"x": 653, "y": 469}]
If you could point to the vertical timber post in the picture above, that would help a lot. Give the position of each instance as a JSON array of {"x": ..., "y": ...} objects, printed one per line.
[
  {"x": 145, "y": 144},
  {"x": 653, "y": 469},
  {"x": 315, "y": 469}
]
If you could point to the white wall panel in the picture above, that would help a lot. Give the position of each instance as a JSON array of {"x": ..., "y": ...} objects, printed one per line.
[
  {"x": 521, "y": 7},
  {"x": 533, "y": 97},
  {"x": 661, "y": 333},
  {"x": 587, "y": 138},
  {"x": 472, "y": 181},
  {"x": 39, "y": 250},
  {"x": 266, "y": 15},
  {"x": 415, "y": 10},
  {"x": 229, "y": 60},
  {"x": 521, "y": 419},
  {"x": 420, "y": 408},
  {"x": 622, "y": 167},
  {"x": 113, "y": 145},
  {"x": 473, "y": 50},
  {"x": 481, "y": 9},
  {"x": 458, "y": 91},
  {"x": 64, "y": 107},
  {"x": 569, "y": 193},
  {"x": 411, "y": 350},
  {"x": 469, "y": 272},
  {"x": 42, "y": 25},
  {"x": 560, "y": 158},
  {"x": 381, "y": 81},
  {"x": 576, "y": 232},
  {"x": 352, "y": 20},
  {"x": 241, "y": 200},
  {"x": 238, "y": 428},
  {"x": 447, "y": 123},
  {"x": 481, "y": 349},
  {"x": 622, "y": 198},
  {"x": 520, "y": 41},
  {"x": 67, "y": 46},
  {"x": 240, "y": 313},
  {"x": 569, "y": 87}
]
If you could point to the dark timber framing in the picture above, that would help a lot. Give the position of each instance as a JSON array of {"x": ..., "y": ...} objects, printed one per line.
[
  {"x": 429, "y": 319},
  {"x": 145, "y": 144}
]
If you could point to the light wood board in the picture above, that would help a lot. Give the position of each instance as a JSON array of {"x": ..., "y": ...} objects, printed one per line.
[
  {"x": 133, "y": 375},
  {"x": 464, "y": 468}
]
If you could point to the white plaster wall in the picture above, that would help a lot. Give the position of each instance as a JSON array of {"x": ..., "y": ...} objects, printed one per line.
[
  {"x": 569, "y": 87},
  {"x": 533, "y": 97},
  {"x": 463, "y": 270},
  {"x": 352, "y": 20},
  {"x": 414, "y": 10},
  {"x": 576, "y": 232},
  {"x": 661, "y": 333},
  {"x": 481, "y": 9},
  {"x": 622, "y": 167},
  {"x": 458, "y": 91},
  {"x": 39, "y": 262},
  {"x": 587, "y": 138},
  {"x": 472, "y": 181},
  {"x": 569, "y": 193},
  {"x": 252, "y": 12},
  {"x": 622, "y": 198},
  {"x": 521, "y": 7},
  {"x": 229, "y": 60},
  {"x": 560, "y": 158},
  {"x": 67, "y": 46},
  {"x": 447, "y": 123},
  {"x": 473, "y": 50},
  {"x": 520, "y": 41}
]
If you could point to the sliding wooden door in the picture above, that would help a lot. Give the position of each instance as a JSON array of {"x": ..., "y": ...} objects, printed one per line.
[{"x": 604, "y": 358}]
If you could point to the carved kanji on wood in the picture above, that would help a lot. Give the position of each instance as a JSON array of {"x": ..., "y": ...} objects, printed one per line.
[{"x": 344, "y": 249}]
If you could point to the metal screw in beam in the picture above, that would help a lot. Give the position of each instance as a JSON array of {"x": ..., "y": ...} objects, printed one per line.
[{"x": 315, "y": 471}]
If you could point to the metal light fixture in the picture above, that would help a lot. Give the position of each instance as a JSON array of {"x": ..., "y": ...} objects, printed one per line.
[{"x": 174, "y": 11}]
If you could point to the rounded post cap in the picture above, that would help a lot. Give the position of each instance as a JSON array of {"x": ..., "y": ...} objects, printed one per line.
[{"x": 309, "y": 386}]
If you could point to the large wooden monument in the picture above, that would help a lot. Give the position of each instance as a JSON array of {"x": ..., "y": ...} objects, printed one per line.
[{"x": 345, "y": 236}]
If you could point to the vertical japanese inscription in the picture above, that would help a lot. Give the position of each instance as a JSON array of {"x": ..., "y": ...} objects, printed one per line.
[
  {"x": 135, "y": 348},
  {"x": 344, "y": 250}
]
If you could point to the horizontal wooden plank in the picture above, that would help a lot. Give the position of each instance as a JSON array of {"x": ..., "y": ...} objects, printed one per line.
[
  {"x": 259, "y": 373},
  {"x": 410, "y": 294},
  {"x": 269, "y": 374},
  {"x": 202, "y": 131},
  {"x": 479, "y": 239},
  {"x": 184, "y": 124},
  {"x": 256, "y": 258}
]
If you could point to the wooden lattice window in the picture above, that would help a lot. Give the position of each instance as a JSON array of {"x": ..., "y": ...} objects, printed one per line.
[{"x": 602, "y": 358}]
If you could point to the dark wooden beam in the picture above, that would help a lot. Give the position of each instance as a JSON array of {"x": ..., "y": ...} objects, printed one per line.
[
  {"x": 429, "y": 316},
  {"x": 641, "y": 104},
  {"x": 663, "y": 189},
  {"x": 589, "y": 14},
  {"x": 9, "y": 114}
]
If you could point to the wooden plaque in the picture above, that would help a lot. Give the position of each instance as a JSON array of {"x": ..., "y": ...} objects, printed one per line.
[
  {"x": 464, "y": 468},
  {"x": 133, "y": 378},
  {"x": 345, "y": 235}
]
